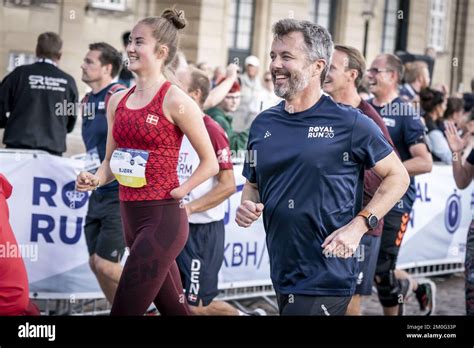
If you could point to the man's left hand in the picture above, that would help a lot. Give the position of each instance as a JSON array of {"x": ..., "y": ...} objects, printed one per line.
[{"x": 344, "y": 241}]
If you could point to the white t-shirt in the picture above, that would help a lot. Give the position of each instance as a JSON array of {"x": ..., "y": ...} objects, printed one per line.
[{"x": 189, "y": 161}]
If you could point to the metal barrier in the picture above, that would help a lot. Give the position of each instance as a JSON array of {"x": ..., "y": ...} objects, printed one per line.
[
  {"x": 434, "y": 270},
  {"x": 65, "y": 304}
]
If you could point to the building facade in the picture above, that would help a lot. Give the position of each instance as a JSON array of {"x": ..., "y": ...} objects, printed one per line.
[{"x": 220, "y": 31}]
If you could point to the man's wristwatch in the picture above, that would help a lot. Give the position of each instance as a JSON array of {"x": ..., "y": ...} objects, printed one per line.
[{"x": 370, "y": 219}]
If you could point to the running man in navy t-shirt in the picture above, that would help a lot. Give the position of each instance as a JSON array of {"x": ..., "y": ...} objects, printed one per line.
[
  {"x": 407, "y": 132},
  {"x": 308, "y": 177},
  {"x": 344, "y": 77},
  {"x": 103, "y": 227}
]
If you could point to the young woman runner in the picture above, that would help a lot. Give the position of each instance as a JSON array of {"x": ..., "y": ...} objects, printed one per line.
[{"x": 146, "y": 125}]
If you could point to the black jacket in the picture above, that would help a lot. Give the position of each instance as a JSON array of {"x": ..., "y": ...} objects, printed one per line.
[{"x": 42, "y": 104}]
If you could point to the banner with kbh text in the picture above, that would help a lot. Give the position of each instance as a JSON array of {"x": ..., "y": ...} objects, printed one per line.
[{"x": 47, "y": 216}]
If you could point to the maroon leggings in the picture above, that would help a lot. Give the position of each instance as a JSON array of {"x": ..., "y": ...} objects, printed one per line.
[{"x": 155, "y": 232}]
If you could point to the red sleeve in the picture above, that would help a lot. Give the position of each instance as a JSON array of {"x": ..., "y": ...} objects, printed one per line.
[
  {"x": 14, "y": 290},
  {"x": 220, "y": 143}
]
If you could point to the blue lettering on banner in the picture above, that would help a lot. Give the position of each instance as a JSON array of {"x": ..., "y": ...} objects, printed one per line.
[
  {"x": 45, "y": 231},
  {"x": 452, "y": 213},
  {"x": 63, "y": 229},
  {"x": 251, "y": 254},
  {"x": 39, "y": 191},
  {"x": 412, "y": 218},
  {"x": 237, "y": 254},
  {"x": 72, "y": 198},
  {"x": 248, "y": 252},
  {"x": 421, "y": 194},
  {"x": 44, "y": 225}
]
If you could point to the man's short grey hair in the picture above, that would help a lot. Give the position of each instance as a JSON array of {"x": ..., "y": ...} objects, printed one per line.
[{"x": 318, "y": 41}]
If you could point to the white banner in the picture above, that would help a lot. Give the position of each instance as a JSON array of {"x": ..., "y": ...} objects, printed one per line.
[
  {"x": 246, "y": 261},
  {"x": 439, "y": 221},
  {"x": 47, "y": 217}
]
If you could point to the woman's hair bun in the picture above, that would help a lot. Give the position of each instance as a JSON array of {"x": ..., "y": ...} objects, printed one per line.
[{"x": 175, "y": 17}]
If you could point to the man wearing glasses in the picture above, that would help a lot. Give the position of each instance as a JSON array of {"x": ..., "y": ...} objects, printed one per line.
[{"x": 407, "y": 132}]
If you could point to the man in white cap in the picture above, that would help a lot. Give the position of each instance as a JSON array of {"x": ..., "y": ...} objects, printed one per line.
[{"x": 250, "y": 100}]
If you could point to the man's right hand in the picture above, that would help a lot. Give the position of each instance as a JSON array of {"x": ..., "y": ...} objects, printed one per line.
[
  {"x": 248, "y": 212},
  {"x": 455, "y": 142},
  {"x": 86, "y": 182}
]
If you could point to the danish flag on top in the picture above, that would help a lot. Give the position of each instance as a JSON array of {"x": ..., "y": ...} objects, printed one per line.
[{"x": 152, "y": 119}]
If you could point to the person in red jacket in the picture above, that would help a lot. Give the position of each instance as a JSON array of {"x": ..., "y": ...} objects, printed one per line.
[{"x": 14, "y": 290}]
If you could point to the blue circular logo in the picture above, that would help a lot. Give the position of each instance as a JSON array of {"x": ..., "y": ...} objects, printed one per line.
[
  {"x": 72, "y": 198},
  {"x": 452, "y": 213}
]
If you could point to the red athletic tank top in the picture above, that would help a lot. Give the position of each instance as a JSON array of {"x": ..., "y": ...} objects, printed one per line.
[{"x": 148, "y": 129}]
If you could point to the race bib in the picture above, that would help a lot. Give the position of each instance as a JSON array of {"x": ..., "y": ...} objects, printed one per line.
[
  {"x": 129, "y": 167},
  {"x": 92, "y": 160}
]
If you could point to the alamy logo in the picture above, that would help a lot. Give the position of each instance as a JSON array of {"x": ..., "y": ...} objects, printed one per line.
[
  {"x": 321, "y": 132},
  {"x": 37, "y": 331}
]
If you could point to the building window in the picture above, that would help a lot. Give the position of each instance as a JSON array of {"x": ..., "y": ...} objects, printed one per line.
[
  {"x": 240, "y": 24},
  {"x": 389, "y": 35},
  {"x": 111, "y": 5},
  {"x": 15, "y": 59},
  {"x": 45, "y": 4},
  {"x": 241, "y": 19},
  {"x": 437, "y": 24},
  {"x": 320, "y": 12},
  {"x": 323, "y": 12}
]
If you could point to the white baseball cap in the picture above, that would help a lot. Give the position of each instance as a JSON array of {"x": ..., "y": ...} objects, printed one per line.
[{"x": 252, "y": 60}]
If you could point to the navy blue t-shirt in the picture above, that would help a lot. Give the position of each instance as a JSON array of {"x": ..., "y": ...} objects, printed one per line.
[
  {"x": 94, "y": 128},
  {"x": 309, "y": 169},
  {"x": 405, "y": 128}
]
